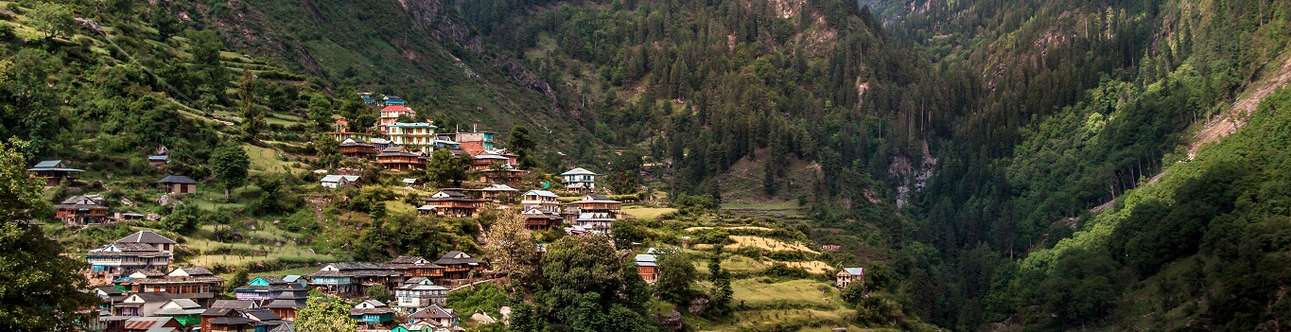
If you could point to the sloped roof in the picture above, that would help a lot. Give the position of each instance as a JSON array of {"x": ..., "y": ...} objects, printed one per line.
[
  {"x": 457, "y": 258},
  {"x": 80, "y": 201},
  {"x": 499, "y": 187},
  {"x": 856, "y": 271},
  {"x": 148, "y": 323},
  {"x": 578, "y": 171},
  {"x": 177, "y": 179},
  {"x": 191, "y": 271},
  {"x": 233, "y": 304},
  {"x": 146, "y": 237},
  {"x": 52, "y": 165},
  {"x": 434, "y": 311},
  {"x": 542, "y": 193}
]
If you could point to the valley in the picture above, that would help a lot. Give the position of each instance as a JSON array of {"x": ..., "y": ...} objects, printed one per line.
[{"x": 644, "y": 165}]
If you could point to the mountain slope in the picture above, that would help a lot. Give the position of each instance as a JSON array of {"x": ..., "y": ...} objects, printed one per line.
[{"x": 416, "y": 49}]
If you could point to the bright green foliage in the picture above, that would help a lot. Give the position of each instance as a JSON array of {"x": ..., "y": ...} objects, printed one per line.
[
  {"x": 676, "y": 275},
  {"x": 53, "y": 19},
  {"x": 588, "y": 287},
  {"x": 445, "y": 170},
  {"x": 182, "y": 219},
  {"x": 485, "y": 297},
  {"x": 230, "y": 164},
  {"x": 324, "y": 313},
  {"x": 41, "y": 288}
]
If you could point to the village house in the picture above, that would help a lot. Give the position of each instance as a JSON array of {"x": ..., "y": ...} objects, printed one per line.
[
  {"x": 409, "y": 267},
  {"x": 151, "y": 324},
  {"x": 336, "y": 181},
  {"x": 109, "y": 296},
  {"x": 487, "y": 161},
  {"x": 394, "y": 100},
  {"x": 419, "y": 292},
  {"x": 647, "y": 267},
  {"x": 538, "y": 220},
  {"x": 417, "y": 136},
  {"x": 54, "y": 172},
  {"x": 141, "y": 251},
  {"x": 239, "y": 316},
  {"x": 186, "y": 312},
  {"x": 579, "y": 180},
  {"x": 475, "y": 142},
  {"x": 372, "y": 314},
  {"x": 380, "y": 143},
  {"x": 395, "y": 158},
  {"x": 390, "y": 115},
  {"x": 352, "y": 278},
  {"x": 458, "y": 265},
  {"x": 433, "y": 318},
  {"x": 498, "y": 193},
  {"x": 341, "y": 132},
  {"x": 355, "y": 149},
  {"x": 82, "y": 210},
  {"x": 849, "y": 275},
  {"x": 283, "y": 295},
  {"x": 542, "y": 200},
  {"x": 446, "y": 141},
  {"x": 597, "y": 213},
  {"x": 451, "y": 202},
  {"x": 140, "y": 304},
  {"x": 178, "y": 184},
  {"x": 159, "y": 157},
  {"x": 195, "y": 283}
]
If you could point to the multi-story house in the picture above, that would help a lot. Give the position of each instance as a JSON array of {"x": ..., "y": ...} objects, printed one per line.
[
  {"x": 579, "y": 180},
  {"x": 597, "y": 213},
  {"x": 144, "y": 250},
  {"x": 416, "y": 136},
  {"x": 419, "y": 292}
]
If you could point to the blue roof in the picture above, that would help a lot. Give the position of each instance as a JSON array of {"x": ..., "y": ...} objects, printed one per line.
[
  {"x": 160, "y": 157},
  {"x": 856, "y": 271},
  {"x": 52, "y": 165}
]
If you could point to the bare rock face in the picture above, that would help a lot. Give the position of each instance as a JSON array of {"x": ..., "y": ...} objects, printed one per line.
[
  {"x": 698, "y": 305},
  {"x": 671, "y": 321}
]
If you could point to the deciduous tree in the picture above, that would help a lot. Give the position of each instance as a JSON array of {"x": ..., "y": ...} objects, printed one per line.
[
  {"x": 42, "y": 288},
  {"x": 510, "y": 248},
  {"x": 230, "y": 164},
  {"x": 324, "y": 313}
]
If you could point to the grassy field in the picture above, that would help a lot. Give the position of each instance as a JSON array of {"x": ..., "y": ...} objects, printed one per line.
[
  {"x": 265, "y": 160},
  {"x": 742, "y": 241},
  {"x": 755, "y": 293},
  {"x": 646, "y": 213}
]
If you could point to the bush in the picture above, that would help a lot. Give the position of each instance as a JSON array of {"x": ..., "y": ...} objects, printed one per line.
[{"x": 779, "y": 270}]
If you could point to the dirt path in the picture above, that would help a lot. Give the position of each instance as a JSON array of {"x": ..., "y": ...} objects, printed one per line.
[{"x": 1230, "y": 121}]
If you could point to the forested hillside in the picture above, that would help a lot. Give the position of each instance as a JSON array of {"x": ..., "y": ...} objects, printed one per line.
[{"x": 997, "y": 165}]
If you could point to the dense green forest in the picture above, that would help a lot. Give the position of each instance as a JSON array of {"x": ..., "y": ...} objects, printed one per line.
[{"x": 1005, "y": 164}]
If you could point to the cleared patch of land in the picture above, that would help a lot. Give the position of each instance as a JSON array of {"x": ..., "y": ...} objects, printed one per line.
[
  {"x": 763, "y": 243},
  {"x": 647, "y": 213},
  {"x": 755, "y": 293}
]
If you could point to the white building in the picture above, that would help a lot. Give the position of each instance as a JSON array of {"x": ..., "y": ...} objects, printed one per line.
[
  {"x": 337, "y": 181},
  {"x": 579, "y": 179},
  {"x": 419, "y": 292}
]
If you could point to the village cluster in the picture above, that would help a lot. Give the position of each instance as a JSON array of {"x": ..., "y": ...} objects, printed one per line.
[{"x": 142, "y": 289}]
